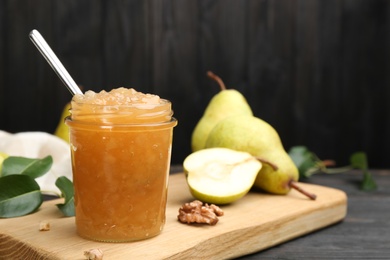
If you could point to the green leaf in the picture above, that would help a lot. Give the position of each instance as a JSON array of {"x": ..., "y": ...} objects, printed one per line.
[
  {"x": 306, "y": 161},
  {"x": 19, "y": 196},
  {"x": 28, "y": 166},
  {"x": 67, "y": 208},
  {"x": 368, "y": 183},
  {"x": 359, "y": 160},
  {"x": 66, "y": 187}
]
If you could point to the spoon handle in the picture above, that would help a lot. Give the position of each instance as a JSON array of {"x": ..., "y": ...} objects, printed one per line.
[{"x": 54, "y": 62}]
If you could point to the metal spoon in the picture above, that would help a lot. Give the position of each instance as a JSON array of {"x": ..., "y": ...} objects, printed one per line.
[{"x": 54, "y": 62}]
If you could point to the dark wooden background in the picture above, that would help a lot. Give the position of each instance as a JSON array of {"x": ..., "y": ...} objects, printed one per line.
[{"x": 318, "y": 71}]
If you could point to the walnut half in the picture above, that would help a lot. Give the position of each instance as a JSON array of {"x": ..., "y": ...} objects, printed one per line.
[{"x": 196, "y": 212}]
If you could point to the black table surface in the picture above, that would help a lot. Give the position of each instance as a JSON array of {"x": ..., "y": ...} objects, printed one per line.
[{"x": 363, "y": 234}]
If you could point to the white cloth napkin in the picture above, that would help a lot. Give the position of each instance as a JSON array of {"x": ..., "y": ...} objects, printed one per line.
[{"x": 40, "y": 145}]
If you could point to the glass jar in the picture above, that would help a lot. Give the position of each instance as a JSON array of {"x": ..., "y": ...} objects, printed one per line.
[{"x": 120, "y": 160}]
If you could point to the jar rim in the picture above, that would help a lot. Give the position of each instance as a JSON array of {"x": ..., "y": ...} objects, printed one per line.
[
  {"x": 88, "y": 124},
  {"x": 162, "y": 102}
]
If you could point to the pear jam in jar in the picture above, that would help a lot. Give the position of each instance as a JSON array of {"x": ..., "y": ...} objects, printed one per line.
[{"x": 121, "y": 149}]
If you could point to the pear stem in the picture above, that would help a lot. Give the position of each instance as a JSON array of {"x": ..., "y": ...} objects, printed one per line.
[
  {"x": 308, "y": 194},
  {"x": 217, "y": 79},
  {"x": 327, "y": 163},
  {"x": 292, "y": 184}
]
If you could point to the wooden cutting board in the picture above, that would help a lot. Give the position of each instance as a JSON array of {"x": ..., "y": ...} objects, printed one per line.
[{"x": 253, "y": 223}]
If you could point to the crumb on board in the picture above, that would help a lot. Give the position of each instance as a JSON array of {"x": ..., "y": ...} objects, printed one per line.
[
  {"x": 44, "y": 225},
  {"x": 94, "y": 254}
]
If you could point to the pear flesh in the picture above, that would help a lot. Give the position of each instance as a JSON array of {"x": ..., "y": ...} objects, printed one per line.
[
  {"x": 3, "y": 156},
  {"x": 220, "y": 175},
  {"x": 62, "y": 130},
  {"x": 257, "y": 137},
  {"x": 227, "y": 102}
]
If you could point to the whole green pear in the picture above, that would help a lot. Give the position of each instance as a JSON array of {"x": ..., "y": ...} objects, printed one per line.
[
  {"x": 257, "y": 137},
  {"x": 226, "y": 103}
]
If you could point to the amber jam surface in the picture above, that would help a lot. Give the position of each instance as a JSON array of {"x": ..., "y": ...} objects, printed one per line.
[{"x": 121, "y": 148}]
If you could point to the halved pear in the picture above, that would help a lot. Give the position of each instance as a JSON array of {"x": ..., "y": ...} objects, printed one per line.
[
  {"x": 3, "y": 156},
  {"x": 62, "y": 130},
  {"x": 220, "y": 175}
]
